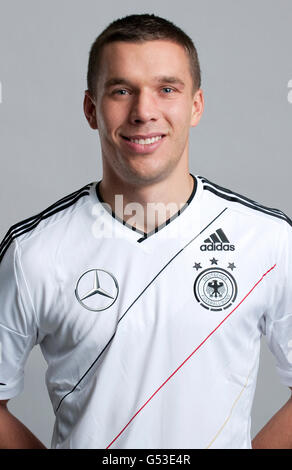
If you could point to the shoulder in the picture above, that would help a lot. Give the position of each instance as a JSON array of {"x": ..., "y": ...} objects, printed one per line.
[
  {"x": 27, "y": 228},
  {"x": 246, "y": 206}
]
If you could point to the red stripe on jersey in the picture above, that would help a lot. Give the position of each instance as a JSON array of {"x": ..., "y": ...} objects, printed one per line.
[{"x": 210, "y": 334}]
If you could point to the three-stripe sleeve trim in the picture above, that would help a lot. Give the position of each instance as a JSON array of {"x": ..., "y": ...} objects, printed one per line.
[
  {"x": 234, "y": 197},
  {"x": 30, "y": 223}
]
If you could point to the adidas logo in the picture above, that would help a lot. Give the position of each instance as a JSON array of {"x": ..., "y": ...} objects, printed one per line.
[{"x": 217, "y": 242}]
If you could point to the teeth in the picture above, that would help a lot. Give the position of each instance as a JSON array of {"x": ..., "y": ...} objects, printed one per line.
[{"x": 146, "y": 141}]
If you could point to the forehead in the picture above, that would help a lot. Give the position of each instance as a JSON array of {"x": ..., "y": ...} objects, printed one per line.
[{"x": 143, "y": 60}]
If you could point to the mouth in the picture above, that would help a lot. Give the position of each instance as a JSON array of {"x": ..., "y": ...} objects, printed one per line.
[
  {"x": 145, "y": 140},
  {"x": 143, "y": 144}
]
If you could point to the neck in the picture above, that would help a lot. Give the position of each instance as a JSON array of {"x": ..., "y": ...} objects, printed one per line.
[{"x": 147, "y": 206}]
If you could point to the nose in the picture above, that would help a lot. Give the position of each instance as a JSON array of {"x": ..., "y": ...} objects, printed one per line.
[{"x": 144, "y": 108}]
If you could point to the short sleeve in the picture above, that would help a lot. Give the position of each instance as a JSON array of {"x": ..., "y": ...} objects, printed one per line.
[
  {"x": 18, "y": 329},
  {"x": 278, "y": 321}
]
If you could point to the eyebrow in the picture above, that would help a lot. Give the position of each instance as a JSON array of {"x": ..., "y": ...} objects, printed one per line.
[{"x": 160, "y": 79}]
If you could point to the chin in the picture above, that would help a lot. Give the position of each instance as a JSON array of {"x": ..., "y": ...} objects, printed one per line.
[{"x": 147, "y": 175}]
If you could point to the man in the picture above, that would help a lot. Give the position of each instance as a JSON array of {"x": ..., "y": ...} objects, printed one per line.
[{"x": 149, "y": 306}]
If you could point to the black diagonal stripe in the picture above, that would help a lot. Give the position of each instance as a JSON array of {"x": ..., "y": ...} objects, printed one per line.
[
  {"x": 2, "y": 383},
  {"x": 207, "y": 240},
  {"x": 141, "y": 293},
  {"x": 251, "y": 201},
  {"x": 235, "y": 199},
  {"x": 41, "y": 216},
  {"x": 222, "y": 235},
  {"x": 214, "y": 238},
  {"x": 25, "y": 223}
]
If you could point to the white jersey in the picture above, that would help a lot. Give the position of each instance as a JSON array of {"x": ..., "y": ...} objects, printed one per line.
[{"x": 151, "y": 341}]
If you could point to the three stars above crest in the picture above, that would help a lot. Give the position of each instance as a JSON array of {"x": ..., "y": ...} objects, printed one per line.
[{"x": 213, "y": 261}]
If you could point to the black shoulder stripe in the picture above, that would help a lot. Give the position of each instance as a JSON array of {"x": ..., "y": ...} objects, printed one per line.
[
  {"x": 24, "y": 222},
  {"x": 252, "y": 206},
  {"x": 216, "y": 186},
  {"x": 36, "y": 220}
]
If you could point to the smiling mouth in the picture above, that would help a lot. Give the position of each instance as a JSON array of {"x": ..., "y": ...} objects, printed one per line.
[{"x": 148, "y": 141}]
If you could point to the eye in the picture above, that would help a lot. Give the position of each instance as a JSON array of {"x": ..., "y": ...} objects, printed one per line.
[
  {"x": 120, "y": 92},
  {"x": 169, "y": 90}
]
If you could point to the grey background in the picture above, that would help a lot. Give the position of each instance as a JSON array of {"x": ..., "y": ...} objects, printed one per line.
[{"x": 47, "y": 150}]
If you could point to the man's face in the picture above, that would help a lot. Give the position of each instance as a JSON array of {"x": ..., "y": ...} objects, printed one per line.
[{"x": 144, "y": 108}]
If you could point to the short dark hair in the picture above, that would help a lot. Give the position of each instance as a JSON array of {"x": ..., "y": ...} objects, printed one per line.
[{"x": 140, "y": 28}]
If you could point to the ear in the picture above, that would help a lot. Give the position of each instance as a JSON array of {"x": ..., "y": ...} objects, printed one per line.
[
  {"x": 89, "y": 107},
  {"x": 197, "y": 108}
]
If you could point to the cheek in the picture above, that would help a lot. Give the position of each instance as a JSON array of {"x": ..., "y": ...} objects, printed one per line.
[
  {"x": 179, "y": 115},
  {"x": 109, "y": 117}
]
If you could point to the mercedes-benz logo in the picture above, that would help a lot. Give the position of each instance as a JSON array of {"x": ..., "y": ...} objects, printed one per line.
[{"x": 91, "y": 295}]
